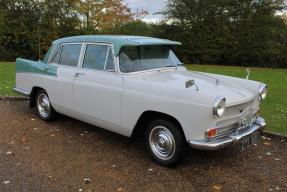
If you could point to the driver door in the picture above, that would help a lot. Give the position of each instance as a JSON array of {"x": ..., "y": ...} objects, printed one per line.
[{"x": 98, "y": 88}]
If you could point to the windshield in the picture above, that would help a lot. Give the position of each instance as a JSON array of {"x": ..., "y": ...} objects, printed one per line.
[{"x": 140, "y": 58}]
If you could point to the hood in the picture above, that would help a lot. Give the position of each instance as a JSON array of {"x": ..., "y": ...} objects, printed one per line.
[{"x": 205, "y": 84}]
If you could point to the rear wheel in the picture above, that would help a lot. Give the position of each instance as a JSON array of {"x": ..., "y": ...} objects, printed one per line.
[
  {"x": 44, "y": 107},
  {"x": 165, "y": 142}
]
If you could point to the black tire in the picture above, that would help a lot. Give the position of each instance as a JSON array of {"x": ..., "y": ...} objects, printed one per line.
[
  {"x": 51, "y": 113},
  {"x": 160, "y": 134}
]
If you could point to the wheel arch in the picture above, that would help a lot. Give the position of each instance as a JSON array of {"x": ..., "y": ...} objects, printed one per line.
[
  {"x": 150, "y": 115},
  {"x": 33, "y": 94}
]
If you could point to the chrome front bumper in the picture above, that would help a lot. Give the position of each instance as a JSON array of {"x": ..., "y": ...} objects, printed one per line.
[{"x": 219, "y": 143}]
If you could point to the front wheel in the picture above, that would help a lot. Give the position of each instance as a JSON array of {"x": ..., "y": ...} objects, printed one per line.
[
  {"x": 165, "y": 142},
  {"x": 44, "y": 108}
]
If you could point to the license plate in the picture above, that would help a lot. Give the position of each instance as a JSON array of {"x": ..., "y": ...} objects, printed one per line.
[
  {"x": 249, "y": 141},
  {"x": 247, "y": 121}
]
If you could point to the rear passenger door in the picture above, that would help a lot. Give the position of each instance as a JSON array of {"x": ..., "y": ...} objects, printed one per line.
[
  {"x": 67, "y": 59},
  {"x": 98, "y": 88}
]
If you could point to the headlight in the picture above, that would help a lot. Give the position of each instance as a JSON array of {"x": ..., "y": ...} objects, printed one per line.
[
  {"x": 219, "y": 106},
  {"x": 262, "y": 92}
]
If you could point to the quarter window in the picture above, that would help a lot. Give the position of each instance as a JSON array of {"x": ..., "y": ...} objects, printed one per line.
[
  {"x": 70, "y": 54},
  {"x": 57, "y": 56}
]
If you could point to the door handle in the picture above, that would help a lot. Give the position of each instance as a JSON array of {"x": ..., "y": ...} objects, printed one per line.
[{"x": 77, "y": 74}]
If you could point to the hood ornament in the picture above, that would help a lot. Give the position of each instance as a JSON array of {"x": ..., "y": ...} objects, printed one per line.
[
  {"x": 248, "y": 73},
  {"x": 191, "y": 83}
]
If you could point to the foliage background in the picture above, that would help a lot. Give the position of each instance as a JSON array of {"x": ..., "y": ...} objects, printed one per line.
[{"x": 222, "y": 32}]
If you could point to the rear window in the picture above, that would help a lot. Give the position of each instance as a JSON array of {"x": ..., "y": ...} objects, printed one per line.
[
  {"x": 95, "y": 57},
  {"x": 99, "y": 57}
]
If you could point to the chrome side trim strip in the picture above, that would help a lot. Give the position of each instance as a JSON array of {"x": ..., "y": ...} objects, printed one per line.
[
  {"x": 20, "y": 91},
  {"x": 220, "y": 143}
]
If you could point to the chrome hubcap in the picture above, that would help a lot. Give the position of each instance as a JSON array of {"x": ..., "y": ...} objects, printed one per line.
[
  {"x": 44, "y": 105},
  {"x": 162, "y": 142}
]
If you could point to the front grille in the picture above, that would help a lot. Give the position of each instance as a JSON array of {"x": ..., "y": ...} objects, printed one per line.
[
  {"x": 233, "y": 117},
  {"x": 237, "y": 109},
  {"x": 222, "y": 131}
]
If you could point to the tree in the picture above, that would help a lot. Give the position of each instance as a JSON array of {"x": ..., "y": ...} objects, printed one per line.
[
  {"x": 26, "y": 24},
  {"x": 136, "y": 27},
  {"x": 243, "y": 32},
  {"x": 17, "y": 33},
  {"x": 103, "y": 14}
]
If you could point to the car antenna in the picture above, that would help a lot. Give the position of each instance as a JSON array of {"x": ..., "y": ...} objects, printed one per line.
[
  {"x": 248, "y": 73},
  {"x": 39, "y": 44}
]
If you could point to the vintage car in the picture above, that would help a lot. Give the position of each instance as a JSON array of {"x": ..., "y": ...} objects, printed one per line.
[{"x": 129, "y": 84}]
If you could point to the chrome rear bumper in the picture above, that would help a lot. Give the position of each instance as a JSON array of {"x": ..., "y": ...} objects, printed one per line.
[
  {"x": 20, "y": 91},
  {"x": 216, "y": 144}
]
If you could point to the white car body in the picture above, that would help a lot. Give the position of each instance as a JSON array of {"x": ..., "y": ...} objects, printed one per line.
[{"x": 116, "y": 101}]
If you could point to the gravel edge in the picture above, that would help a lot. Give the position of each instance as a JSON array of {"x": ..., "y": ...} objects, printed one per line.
[
  {"x": 13, "y": 98},
  {"x": 275, "y": 135},
  {"x": 23, "y": 98}
]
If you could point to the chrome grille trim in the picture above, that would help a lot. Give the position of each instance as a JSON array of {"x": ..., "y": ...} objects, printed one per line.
[
  {"x": 226, "y": 130},
  {"x": 236, "y": 110}
]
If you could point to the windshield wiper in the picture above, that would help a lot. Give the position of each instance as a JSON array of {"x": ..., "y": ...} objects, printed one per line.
[
  {"x": 170, "y": 66},
  {"x": 179, "y": 64}
]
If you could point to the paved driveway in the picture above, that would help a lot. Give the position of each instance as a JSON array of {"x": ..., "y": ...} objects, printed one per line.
[{"x": 68, "y": 155}]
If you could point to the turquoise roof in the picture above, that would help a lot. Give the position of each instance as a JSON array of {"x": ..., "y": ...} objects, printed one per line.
[{"x": 118, "y": 41}]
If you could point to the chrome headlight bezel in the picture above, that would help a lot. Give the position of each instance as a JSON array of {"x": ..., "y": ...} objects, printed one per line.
[
  {"x": 219, "y": 106},
  {"x": 262, "y": 92}
]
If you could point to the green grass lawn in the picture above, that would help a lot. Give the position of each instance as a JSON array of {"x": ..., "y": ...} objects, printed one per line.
[
  {"x": 274, "y": 108},
  {"x": 7, "y": 78}
]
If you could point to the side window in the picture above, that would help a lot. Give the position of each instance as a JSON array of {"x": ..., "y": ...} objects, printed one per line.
[
  {"x": 110, "y": 65},
  {"x": 95, "y": 56},
  {"x": 56, "y": 58},
  {"x": 70, "y": 54}
]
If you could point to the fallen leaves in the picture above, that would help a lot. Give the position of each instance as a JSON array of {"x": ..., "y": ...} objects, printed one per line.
[
  {"x": 87, "y": 181},
  {"x": 267, "y": 143},
  {"x": 12, "y": 142},
  {"x": 266, "y": 138},
  {"x": 216, "y": 187},
  {"x": 24, "y": 140},
  {"x": 119, "y": 189}
]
